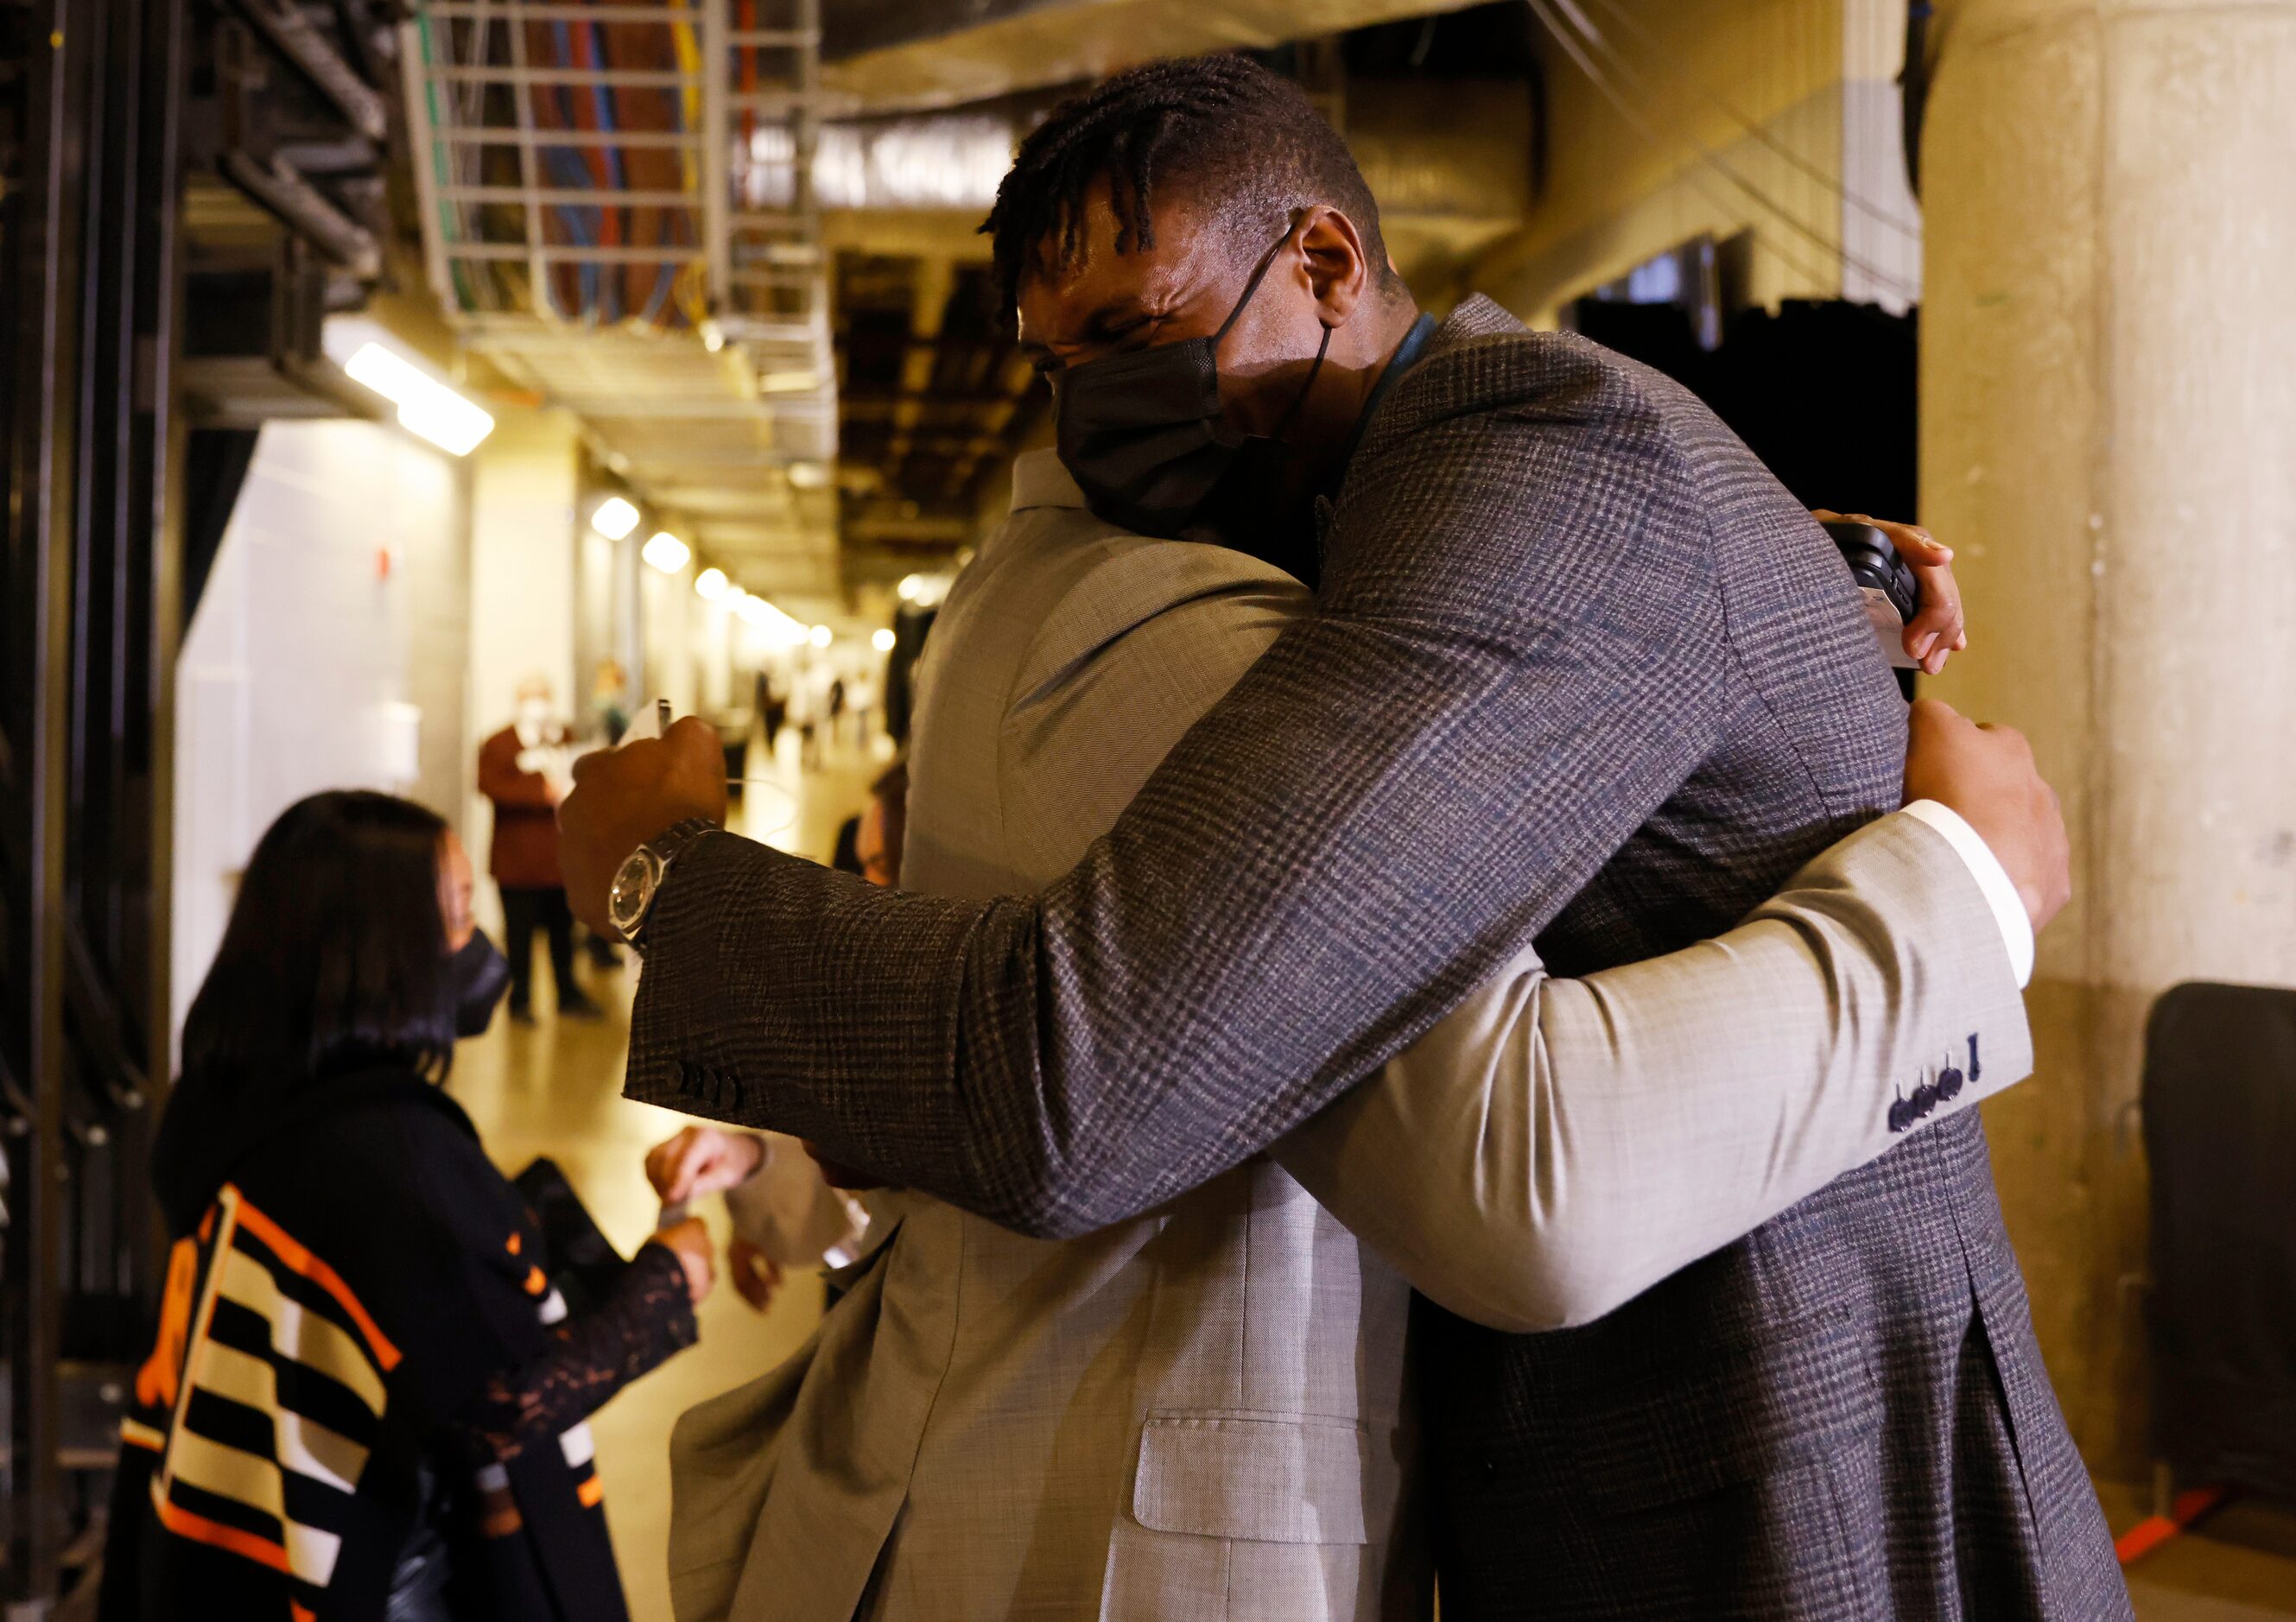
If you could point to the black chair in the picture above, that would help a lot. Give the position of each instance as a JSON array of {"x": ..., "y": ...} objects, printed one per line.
[{"x": 2219, "y": 1098}]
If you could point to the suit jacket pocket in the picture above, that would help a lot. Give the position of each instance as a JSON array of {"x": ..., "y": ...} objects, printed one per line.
[
  {"x": 1786, "y": 1405},
  {"x": 1774, "y": 1546},
  {"x": 1263, "y": 1480},
  {"x": 1691, "y": 1415},
  {"x": 1722, "y": 1478}
]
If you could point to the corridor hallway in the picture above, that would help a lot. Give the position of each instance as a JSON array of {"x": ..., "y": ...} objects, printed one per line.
[{"x": 554, "y": 1089}]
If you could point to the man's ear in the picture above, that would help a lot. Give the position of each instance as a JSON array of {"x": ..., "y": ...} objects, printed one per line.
[{"x": 1339, "y": 273}]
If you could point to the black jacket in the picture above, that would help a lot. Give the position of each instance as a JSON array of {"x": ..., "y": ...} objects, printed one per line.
[{"x": 357, "y": 1316}]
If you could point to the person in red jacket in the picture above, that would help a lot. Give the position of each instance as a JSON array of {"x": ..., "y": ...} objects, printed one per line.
[{"x": 525, "y": 769}]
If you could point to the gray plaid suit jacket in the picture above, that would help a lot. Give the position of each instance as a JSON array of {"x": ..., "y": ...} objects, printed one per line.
[{"x": 1580, "y": 675}]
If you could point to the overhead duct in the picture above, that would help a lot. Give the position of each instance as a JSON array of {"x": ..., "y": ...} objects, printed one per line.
[
  {"x": 943, "y": 161},
  {"x": 1450, "y": 161},
  {"x": 903, "y": 56}
]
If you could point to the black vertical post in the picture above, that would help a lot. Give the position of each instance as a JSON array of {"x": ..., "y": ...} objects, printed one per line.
[
  {"x": 161, "y": 453},
  {"x": 44, "y": 237},
  {"x": 90, "y": 295}
]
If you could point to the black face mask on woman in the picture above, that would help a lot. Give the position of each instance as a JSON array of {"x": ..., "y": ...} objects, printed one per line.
[
  {"x": 1141, "y": 435},
  {"x": 476, "y": 975}
]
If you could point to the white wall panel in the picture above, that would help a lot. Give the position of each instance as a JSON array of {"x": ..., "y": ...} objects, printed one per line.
[{"x": 335, "y": 605}]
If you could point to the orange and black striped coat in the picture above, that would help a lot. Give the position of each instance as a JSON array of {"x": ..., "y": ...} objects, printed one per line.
[{"x": 363, "y": 1307}]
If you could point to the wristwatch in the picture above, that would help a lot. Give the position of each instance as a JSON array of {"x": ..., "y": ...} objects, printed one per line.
[{"x": 639, "y": 879}]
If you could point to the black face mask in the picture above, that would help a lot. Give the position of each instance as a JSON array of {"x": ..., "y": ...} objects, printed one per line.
[
  {"x": 1141, "y": 435},
  {"x": 476, "y": 975}
]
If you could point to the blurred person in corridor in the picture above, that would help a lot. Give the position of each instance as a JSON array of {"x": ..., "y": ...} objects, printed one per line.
[
  {"x": 884, "y": 826},
  {"x": 524, "y": 770},
  {"x": 366, "y": 1398},
  {"x": 610, "y": 701}
]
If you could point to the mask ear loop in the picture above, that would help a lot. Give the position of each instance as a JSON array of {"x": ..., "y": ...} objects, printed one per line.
[
  {"x": 1259, "y": 272},
  {"x": 1300, "y": 400}
]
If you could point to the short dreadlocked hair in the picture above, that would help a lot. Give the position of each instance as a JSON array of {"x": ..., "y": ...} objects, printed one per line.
[{"x": 1248, "y": 141}]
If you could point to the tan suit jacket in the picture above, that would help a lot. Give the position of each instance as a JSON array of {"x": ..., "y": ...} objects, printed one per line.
[{"x": 1202, "y": 1413}]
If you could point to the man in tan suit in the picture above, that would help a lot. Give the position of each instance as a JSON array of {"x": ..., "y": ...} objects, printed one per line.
[{"x": 1203, "y": 1412}]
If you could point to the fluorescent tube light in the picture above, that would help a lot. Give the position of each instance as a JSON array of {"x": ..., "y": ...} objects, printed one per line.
[{"x": 426, "y": 405}]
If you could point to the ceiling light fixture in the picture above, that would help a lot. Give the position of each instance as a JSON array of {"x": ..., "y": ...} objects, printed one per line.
[
  {"x": 881, "y": 639},
  {"x": 426, "y": 405},
  {"x": 710, "y": 585},
  {"x": 777, "y": 629},
  {"x": 821, "y": 636},
  {"x": 614, "y": 519},
  {"x": 666, "y": 552}
]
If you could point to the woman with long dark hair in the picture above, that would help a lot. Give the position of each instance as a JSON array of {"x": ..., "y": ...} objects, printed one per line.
[{"x": 366, "y": 1399}]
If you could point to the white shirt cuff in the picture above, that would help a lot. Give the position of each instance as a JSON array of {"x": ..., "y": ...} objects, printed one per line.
[{"x": 1992, "y": 879}]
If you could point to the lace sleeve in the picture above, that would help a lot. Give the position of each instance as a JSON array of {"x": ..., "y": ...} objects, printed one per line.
[{"x": 647, "y": 1319}]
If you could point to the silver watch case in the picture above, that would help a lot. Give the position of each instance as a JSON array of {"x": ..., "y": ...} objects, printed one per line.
[{"x": 636, "y": 883}]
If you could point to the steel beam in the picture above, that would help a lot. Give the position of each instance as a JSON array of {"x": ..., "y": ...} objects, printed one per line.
[
  {"x": 629, "y": 78},
  {"x": 93, "y": 296},
  {"x": 717, "y": 152},
  {"x": 544, "y": 197},
  {"x": 424, "y": 157},
  {"x": 44, "y": 235},
  {"x": 464, "y": 135},
  {"x": 669, "y": 253},
  {"x": 544, "y": 11}
]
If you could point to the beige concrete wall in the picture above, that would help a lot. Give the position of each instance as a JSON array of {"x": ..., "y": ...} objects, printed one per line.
[
  {"x": 1693, "y": 75},
  {"x": 2109, "y": 435}
]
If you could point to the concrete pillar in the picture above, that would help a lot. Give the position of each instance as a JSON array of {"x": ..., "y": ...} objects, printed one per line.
[
  {"x": 2109, "y": 435},
  {"x": 523, "y": 540},
  {"x": 522, "y": 605}
]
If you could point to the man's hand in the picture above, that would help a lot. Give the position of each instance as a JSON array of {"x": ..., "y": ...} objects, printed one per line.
[
  {"x": 1937, "y": 629},
  {"x": 689, "y": 1241},
  {"x": 1986, "y": 774},
  {"x": 702, "y": 1160},
  {"x": 757, "y": 1275},
  {"x": 624, "y": 796}
]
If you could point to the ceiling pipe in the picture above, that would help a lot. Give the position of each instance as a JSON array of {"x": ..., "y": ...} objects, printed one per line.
[{"x": 903, "y": 56}]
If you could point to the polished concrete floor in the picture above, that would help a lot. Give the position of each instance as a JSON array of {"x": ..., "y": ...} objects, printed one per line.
[
  {"x": 554, "y": 1089},
  {"x": 2239, "y": 1565}
]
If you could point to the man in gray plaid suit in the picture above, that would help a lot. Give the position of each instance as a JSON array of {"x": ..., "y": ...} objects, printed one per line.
[{"x": 1582, "y": 672}]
